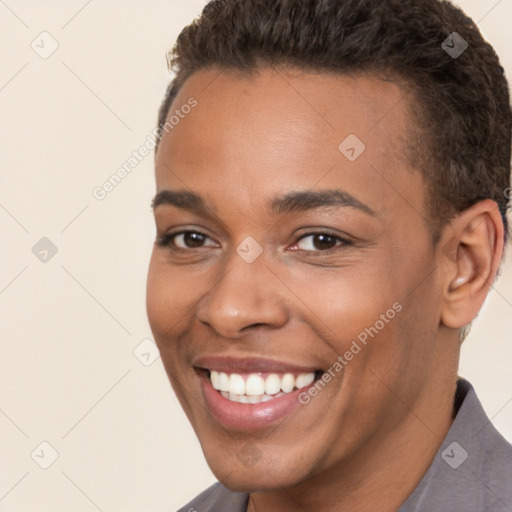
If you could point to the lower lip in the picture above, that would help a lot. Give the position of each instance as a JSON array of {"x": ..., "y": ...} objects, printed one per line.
[{"x": 247, "y": 417}]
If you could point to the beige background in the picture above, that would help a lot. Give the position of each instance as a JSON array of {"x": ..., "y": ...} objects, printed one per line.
[{"x": 68, "y": 374}]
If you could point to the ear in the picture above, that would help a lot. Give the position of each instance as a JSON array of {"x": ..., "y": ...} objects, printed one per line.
[{"x": 471, "y": 250}]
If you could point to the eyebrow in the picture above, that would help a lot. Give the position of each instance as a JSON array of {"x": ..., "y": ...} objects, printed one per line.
[
  {"x": 292, "y": 202},
  {"x": 310, "y": 200},
  {"x": 180, "y": 199}
]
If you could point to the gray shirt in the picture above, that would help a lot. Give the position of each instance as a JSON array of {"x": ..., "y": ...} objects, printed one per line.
[{"x": 471, "y": 472}]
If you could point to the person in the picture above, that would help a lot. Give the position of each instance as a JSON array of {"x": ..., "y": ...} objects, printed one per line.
[{"x": 332, "y": 179}]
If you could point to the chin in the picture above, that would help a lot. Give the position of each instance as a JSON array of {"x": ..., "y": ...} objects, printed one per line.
[
  {"x": 246, "y": 474},
  {"x": 252, "y": 480}
]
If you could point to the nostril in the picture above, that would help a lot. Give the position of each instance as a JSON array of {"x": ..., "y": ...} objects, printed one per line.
[{"x": 259, "y": 324}]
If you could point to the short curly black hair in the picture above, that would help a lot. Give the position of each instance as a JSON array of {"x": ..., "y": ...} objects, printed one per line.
[{"x": 462, "y": 102}]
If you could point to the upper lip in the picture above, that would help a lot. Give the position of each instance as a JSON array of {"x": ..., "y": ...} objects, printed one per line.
[{"x": 229, "y": 364}]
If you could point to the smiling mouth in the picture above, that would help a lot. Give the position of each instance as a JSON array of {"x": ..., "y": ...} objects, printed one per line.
[{"x": 255, "y": 388}]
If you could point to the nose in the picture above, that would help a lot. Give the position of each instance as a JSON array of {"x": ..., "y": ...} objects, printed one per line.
[{"x": 248, "y": 295}]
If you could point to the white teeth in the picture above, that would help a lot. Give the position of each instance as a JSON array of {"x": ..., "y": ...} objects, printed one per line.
[
  {"x": 304, "y": 379},
  {"x": 253, "y": 388},
  {"x": 244, "y": 399},
  {"x": 223, "y": 381},
  {"x": 272, "y": 384},
  {"x": 214, "y": 377},
  {"x": 256, "y": 399},
  {"x": 234, "y": 397},
  {"x": 236, "y": 384},
  {"x": 287, "y": 382},
  {"x": 254, "y": 385}
]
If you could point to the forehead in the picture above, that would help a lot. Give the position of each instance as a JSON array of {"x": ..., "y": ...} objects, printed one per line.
[{"x": 281, "y": 129}]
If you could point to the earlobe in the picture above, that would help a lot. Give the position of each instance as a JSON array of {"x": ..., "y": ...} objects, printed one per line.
[{"x": 475, "y": 239}]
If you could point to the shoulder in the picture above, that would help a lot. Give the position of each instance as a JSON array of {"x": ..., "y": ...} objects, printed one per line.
[
  {"x": 217, "y": 498},
  {"x": 472, "y": 470},
  {"x": 489, "y": 454},
  {"x": 495, "y": 470}
]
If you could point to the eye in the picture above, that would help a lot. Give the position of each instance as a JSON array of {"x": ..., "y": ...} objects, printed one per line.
[
  {"x": 184, "y": 240},
  {"x": 320, "y": 242}
]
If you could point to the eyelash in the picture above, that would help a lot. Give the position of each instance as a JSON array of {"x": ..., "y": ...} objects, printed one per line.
[{"x": 167, "y": 240}]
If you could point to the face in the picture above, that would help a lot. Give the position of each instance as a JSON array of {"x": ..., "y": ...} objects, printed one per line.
[{"x": 286, "y": 252}]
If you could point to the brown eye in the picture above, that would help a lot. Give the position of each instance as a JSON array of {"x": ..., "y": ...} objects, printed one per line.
[
  {"x": 191, "y": 239},
  {"x": 186, "y": 240},
  {"x": 320, "y": 242}
]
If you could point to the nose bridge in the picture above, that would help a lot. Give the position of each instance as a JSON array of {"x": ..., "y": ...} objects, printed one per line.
[{"x": 246, "y": 295}]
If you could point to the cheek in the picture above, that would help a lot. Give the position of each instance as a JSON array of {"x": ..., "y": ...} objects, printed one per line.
[
  {"x": 170, "y": 298},
  {"x": 158, "y": 300},
  {"x": 168, "y": 307},
  {"x": 360, "y": 315},
  {"x": 343, "y": 302}
]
